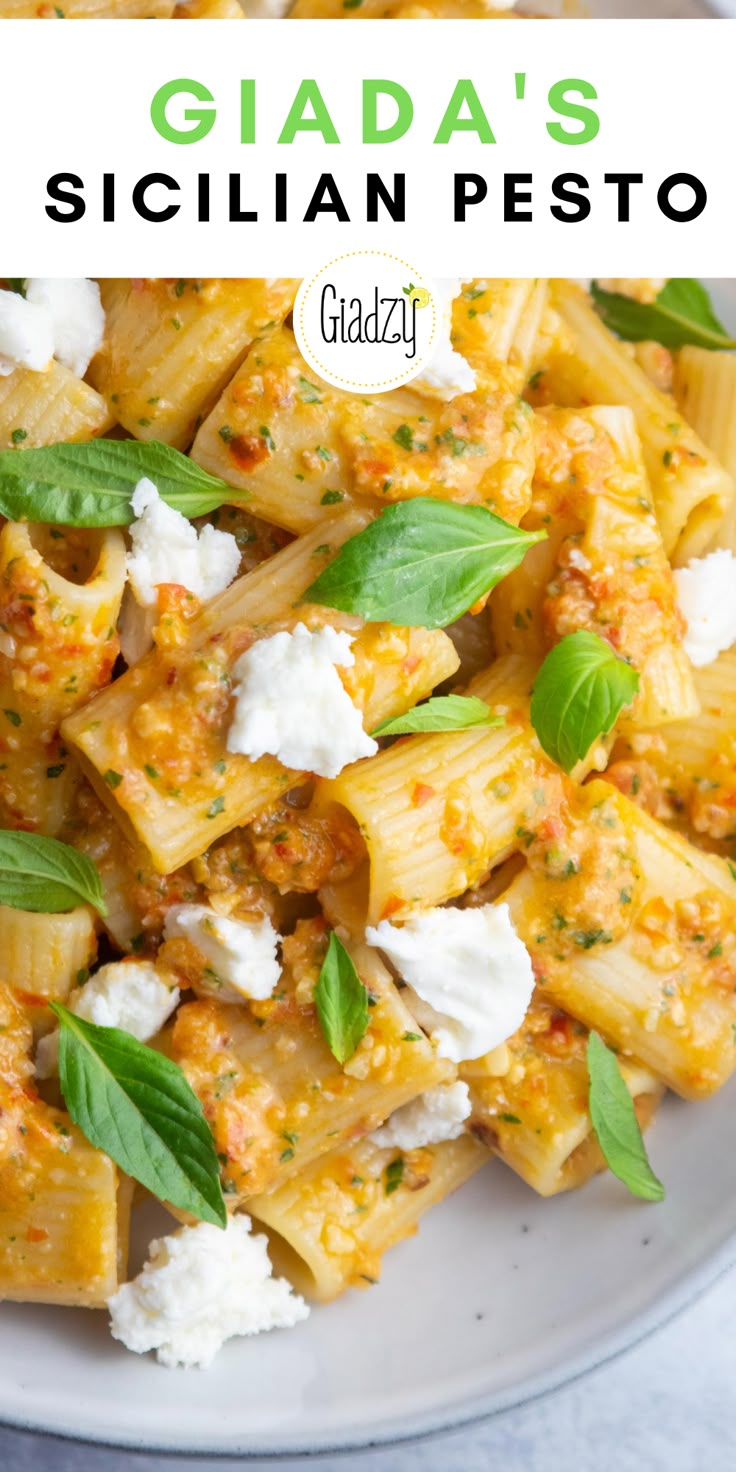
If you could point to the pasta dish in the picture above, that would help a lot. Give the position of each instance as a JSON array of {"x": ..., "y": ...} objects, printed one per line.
[
  {"x": 367, "y": 778},
  {"x": 289, "y": 9}
]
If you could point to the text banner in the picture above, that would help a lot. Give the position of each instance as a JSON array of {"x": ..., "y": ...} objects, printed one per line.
[{"x": 517, "y": 148}]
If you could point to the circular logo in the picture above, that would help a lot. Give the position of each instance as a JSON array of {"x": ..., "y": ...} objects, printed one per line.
[{"x": 367, "y": 322}]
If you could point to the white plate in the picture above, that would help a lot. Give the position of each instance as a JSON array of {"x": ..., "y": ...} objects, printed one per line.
[{"x": 501, "y": 1297}]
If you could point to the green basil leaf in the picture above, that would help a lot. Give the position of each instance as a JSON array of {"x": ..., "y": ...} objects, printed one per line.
[
  {"x": 17, "y": 284},
  {"x": 578, "y": 696},
  {"x": 441, "y": 713},
  {"x": 138, "y": 1106},
  {"x": 47, "y": 876},
  {"x": 91, "y": 484},
  {"x": 342, "y": 1002},
  {"x": 422, "y": 563},
  {"x": 616, "y": 1125},
  {"x": 682, "y": 313}
]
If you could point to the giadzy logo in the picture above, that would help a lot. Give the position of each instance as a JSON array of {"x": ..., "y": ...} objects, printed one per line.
[{"x": 367, "y": 322}]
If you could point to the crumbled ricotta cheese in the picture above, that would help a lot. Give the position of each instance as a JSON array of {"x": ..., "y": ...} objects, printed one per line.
[
  {"x": 447, "y": 374},
  {"x": 706, "y": 593},
  {"x": 290, "y": 702},
  {"x": 470, "y": 970},
  {"x": 76, "y": 314},
  {"x": 131, "y": 995},
  {"x": 200, "y": 1287},
  {"x": 433, "y": 1117},
  {"x": 166, "y": 549},
  {"x": 26, "y": 339},
  {"x": 240, "y": 953}
]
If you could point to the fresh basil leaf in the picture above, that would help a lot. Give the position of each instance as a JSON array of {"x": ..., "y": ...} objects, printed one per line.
[
  {"x": 441, "y": 713},
  {"x": 17, "y": 284},
  {"x": 616, "y": 1125},
  {"x": 422, "y": 563},
  {"x": 91, "y": 484},
  {"x": 342, "y": 1002},
  {"x": 138, "y": 1106},
  {"x": 578, "y": 696},
  {"x": 46, "y": 876},
  {"x": 682, "y": 313}
]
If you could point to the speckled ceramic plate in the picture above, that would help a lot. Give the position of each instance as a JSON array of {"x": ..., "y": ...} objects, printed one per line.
[{"x": 501, "y": 1297}]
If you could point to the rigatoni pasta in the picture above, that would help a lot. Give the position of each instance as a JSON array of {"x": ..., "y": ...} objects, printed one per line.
[
  {"x": 603, "y": 565},
  {"x": 530, "y": 1100},
  {"x": 61, "y": 407},
  {"x": 87, "y": 10},
  {"x": 584, "y": 363},
  {"x": 210, "y": 791},
  {"x": 302, "y": 451},
  {"x": 60, "y": 596},
  {"x": 437, "y": 812},
  {"x": 63, "y": 1209},
  {"x": 704, "y": 386},
  {"x": 45, "y": 956},
  {"x": 330, "y": 1227},
  {"x": 273, "y": 1093},
  {"x": 272, "y": 10},
  {"x": 169, "y": 346},
  {"x": 655, "y": 972}
]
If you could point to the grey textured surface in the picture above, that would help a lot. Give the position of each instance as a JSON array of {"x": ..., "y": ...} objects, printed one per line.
[{"x": 665, "y": 1406}]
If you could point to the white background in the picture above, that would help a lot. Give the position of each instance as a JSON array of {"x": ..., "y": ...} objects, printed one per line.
[{"x": 662, "y": 111}]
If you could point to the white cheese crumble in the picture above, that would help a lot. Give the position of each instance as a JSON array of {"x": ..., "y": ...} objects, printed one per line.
[
  {"x": 434, "y": 1116},
  {"x": 26, "y": 339},
  {"x": 291, "y": 703},
  {"x": 706, "y": 593},
  {"x": 76, "y": 314},
  {"x": 131, "y": 995},
  {"x": 470, "y": 970},
  {"x": 165, "y": 548},
  {"x": 240, "y": 953},
  {"x": 577, "y": 558},
  {"x": 200, "y": 1287},
  {"x": 447, "y": 374}
]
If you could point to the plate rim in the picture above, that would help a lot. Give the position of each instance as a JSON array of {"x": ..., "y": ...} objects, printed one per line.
[{"x": 664, "y": 1307}]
